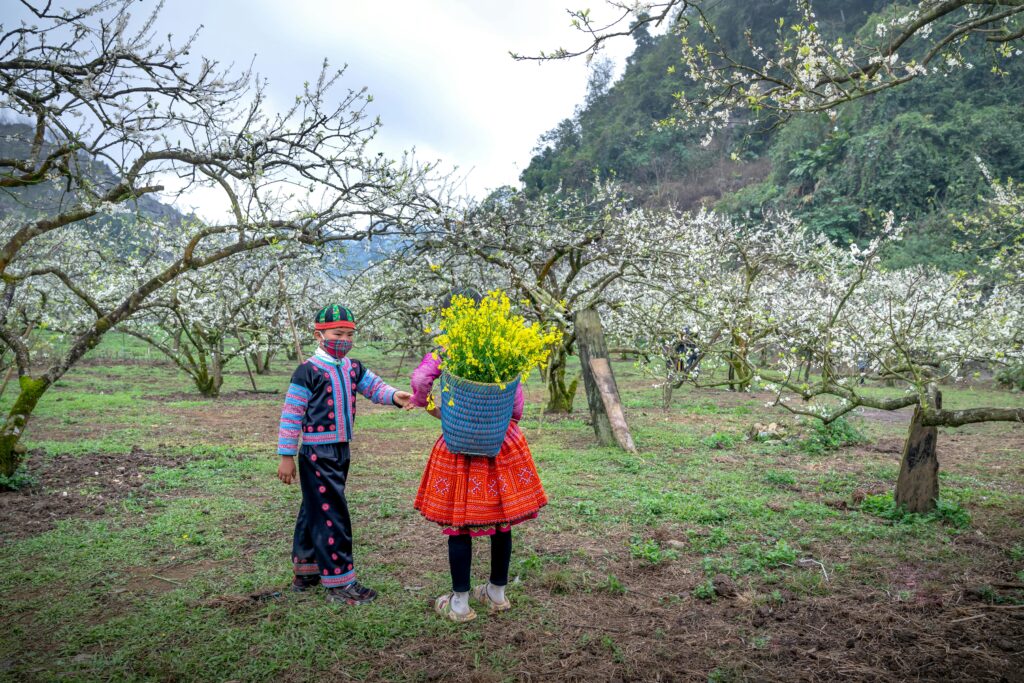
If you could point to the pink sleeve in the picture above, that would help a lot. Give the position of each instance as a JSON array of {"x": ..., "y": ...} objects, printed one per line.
[
  {"x": 517, "y": 407},
  {"x": 422, "y": 379}
]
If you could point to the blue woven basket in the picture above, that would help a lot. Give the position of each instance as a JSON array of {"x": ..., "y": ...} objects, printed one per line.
[{"x": 476, "y": 422}]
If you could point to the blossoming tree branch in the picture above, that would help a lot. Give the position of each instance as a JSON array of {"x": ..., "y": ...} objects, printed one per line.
[
  {"x": 771, "y": 301},
  {"x": 96, "y": 87}
]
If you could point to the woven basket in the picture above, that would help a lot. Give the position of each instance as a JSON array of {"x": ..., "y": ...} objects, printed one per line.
[{"x": 476, "y": 422}]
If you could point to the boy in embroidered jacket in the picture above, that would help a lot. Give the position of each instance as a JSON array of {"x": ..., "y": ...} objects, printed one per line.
[{"x": 321, "y": 408}]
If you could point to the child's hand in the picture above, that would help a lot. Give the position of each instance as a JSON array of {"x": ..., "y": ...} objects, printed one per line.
[
  {"x": 402, "y": 399},
  {"x": 286, "y": 470},
  {"x": 435, "y": 411}
]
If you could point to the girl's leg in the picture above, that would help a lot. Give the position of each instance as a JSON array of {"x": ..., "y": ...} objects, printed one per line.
[
  {"x": 501, "y": 557},
  {"x": 460, "y": 560}
]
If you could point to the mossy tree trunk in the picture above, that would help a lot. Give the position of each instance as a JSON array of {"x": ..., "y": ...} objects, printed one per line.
[
  {"x": 560, "y": 394},
  {"x": 917, "y": 488},
  {"x": 32, "y": 389}
]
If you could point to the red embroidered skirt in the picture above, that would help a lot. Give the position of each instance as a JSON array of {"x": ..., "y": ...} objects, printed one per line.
[{"x": 477, "y": 495}]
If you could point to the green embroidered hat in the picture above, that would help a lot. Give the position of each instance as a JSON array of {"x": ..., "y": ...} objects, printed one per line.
[{"x": 333, "y": 315}]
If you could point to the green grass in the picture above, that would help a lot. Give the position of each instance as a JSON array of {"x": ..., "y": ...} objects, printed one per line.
[{"x": 85, "y": 600}]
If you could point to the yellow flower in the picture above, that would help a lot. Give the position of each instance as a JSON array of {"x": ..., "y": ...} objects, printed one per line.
[
  {"x": 435, "y": 268},
  {"x": 487, "y": 342},
  {"x": 451, "y": 402}
]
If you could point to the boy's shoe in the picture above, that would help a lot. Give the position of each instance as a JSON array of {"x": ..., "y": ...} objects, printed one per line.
[
  {"x": 301, "y": 584},
  {"x": 353, "y": 594},
  {"x": 481, "y": 595}
]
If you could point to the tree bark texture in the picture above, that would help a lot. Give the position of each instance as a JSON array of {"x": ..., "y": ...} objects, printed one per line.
[
  {"x": 560, "y": 395},
  {"x": 14, "y": 426},
  {"x": 591, "y": 344},
  {"x": 917, "y": 488},
  {"x": 602, "y": 371}
]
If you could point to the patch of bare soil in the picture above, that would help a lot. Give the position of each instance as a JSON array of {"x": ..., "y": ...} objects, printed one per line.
[
  {"x": 657, "y": 632},
  {"x": 150, "y": 580},
  {"x": 74, "y": 487}
]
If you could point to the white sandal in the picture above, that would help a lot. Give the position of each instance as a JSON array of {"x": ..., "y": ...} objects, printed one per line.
[
  {"x": 481, "y": 595},
  {"x": 443, "y": 606}
]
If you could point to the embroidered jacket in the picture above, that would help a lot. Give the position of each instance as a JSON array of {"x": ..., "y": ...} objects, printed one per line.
[{"x": 321, "y": 401}]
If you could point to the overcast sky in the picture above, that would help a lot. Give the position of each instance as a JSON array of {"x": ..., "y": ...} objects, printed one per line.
[{"x": 439, "y": 70}]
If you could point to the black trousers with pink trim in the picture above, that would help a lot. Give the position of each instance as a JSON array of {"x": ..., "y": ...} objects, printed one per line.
[{"x": 323, "y": 531}]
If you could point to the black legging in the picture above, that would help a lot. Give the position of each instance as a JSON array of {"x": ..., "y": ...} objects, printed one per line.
[{"x": 460, "y": 559}]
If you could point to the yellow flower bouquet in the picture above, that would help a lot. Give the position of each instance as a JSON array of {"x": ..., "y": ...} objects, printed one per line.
[
  {"x": 489, "y": 343},
  {"x": 487, "y": 349}
]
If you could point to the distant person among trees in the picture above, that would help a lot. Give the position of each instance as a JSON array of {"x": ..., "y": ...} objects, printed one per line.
[
  {"x": 320, "y": 407},
  {"x": 470, "y": 495},
  {"x": 684, "y": 353}
]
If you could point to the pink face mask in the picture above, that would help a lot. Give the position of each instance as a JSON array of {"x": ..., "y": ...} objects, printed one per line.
[{"x": 336, "y": 347}]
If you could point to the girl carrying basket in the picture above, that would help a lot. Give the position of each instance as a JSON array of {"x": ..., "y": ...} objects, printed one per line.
[{"x": 466, "y": 492}]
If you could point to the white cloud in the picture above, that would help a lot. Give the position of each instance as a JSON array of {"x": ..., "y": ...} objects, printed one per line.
[{"x": 439, "y": 70}]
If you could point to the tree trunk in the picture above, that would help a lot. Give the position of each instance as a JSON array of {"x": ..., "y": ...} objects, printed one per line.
[
  {"x": 917, "y": 488},
  {"x": 666, "y": 393},
  {"x": 14, "y": 426},
  {"x": 208, "y": 383},
  {"x": 605, "y": 380},
  {"x": 739, "y": 374},
  {"x": 560, "y": 396},
  {"x": 217, "y": 366},
  {"x": 591, "y": 344},
  {"x": 261, "y": 362}
]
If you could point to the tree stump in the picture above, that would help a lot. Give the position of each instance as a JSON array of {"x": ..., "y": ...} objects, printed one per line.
[
  {"x": 917, "y": 488},
  {"x": 602, "y": 371},
  {"x": 606, "y": 412}
]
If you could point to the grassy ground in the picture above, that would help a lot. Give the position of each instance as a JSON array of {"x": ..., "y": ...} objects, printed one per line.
[{"x": 156, "y": 514}]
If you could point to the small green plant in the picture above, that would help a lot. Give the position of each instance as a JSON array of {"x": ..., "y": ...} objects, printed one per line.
[
  {"x": 777, "y": 478},
  {"x": 584, "y": 508},
  {"x": 21, "y": 479},
  {"x": 837, "y": 434},
  {"x": 617, "y": 655},
  {"x": 704, "y": 590},
  {"x": 559, "y": 581},
  {"x": 1011, "y": 377},
  {"x": 721, "y": 440},
  {"x": 883, "y": 505},
  {"x": 530, "y": 565},
  {"x": 613, "y": 585},
  {"x": 757, "y": 558},
  {"x": 650, "y": 550}
]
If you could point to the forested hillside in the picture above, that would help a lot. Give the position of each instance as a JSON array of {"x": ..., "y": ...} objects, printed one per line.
[
  {"x": 914, "y": 150},
  {"x": 47, "y": 195}
]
